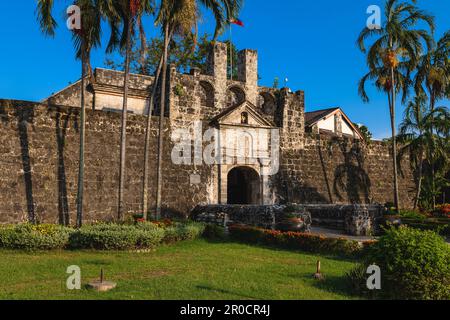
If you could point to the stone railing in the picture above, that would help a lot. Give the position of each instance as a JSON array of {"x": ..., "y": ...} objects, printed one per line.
[
  {"x": 268, "y": 217},
  {"x": 358, "y": 220}
]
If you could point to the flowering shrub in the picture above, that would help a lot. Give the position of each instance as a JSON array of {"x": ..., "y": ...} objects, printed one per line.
[
  {"x": 443, "y": 210},
  {"x": 297, "y": 241},
  {"x": 437, "y": 221},
  {"x": 34, "y": 237},
  {"x": 163, "y": 223}
]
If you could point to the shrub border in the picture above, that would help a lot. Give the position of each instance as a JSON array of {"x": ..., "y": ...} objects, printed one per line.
[{"x": 299, "y": 241}]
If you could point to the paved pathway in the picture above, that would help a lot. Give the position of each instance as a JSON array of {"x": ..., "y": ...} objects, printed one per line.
[{"x": 332, "y": 233}]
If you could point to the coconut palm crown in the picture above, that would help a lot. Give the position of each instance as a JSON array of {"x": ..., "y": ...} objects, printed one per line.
[{"x": 433, "y": 72}]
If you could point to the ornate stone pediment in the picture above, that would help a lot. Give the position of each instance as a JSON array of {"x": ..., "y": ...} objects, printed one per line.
[{"x": 245, "y": 114}]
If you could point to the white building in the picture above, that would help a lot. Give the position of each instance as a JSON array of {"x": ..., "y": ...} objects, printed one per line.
[{"x": 332, "y": 121}]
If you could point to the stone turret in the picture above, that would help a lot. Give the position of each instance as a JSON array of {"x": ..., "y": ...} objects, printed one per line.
[
  {"x": 217, "y": 62},
  {"x": 248, "y": 73},
  {"x": 293, "y": 119},
  {"x": 217, "y": 67}
]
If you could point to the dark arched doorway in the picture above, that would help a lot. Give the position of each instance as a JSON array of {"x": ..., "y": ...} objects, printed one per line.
[{"x": 243, "y": 186}]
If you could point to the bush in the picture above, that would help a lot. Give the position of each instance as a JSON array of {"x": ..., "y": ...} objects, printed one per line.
[
  {"x": 117, "y": 237},
  {"x": 357, "y": 280},
  {"x": 214, "y": 232},
  {"x": 103, "y": 236},
  {"x": 191, "y": 231},
  {"x": 34, "y": 237},
  {"x": 438, "y": 225},
  {"x": 163, "y": 223},
  {"x": 179, "y": 232},
  {"x": 414, "y": 264},
  {"x": 297, "y": 241},
  {"x": 443, "y": 210},
  {"x": 410, "y": 214}
]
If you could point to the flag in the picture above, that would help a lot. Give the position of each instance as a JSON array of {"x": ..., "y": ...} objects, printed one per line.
[{"x": 237, "y": 22}]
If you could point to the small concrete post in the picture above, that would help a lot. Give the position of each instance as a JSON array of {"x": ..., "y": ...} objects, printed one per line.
[
  {"x": 101, "y": 285},
  {"x": 318, "y": 275}
]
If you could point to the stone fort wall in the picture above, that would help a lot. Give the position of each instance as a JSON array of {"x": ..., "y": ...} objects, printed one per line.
[
  {"x": 39, "y": 167},
  {"x": 39, "y": 145},
  {"x": 342, "y": 171}
]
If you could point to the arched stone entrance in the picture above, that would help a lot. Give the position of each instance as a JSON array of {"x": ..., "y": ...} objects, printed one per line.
[{"x": 243, "y": 186}]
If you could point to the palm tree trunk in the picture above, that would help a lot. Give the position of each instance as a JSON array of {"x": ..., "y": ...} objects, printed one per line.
[
  {"x": 148, "y": 135},
  {"x": 433, "y": 181},
  {"x": 394, "y": 140},
  {"x": 80, "y": 192},
  {"x": 147, "y": 140},
  {"x": 419, "y": 184},
  {"x": 161, "y": 123},
  {"x": 123, "y": 135}
]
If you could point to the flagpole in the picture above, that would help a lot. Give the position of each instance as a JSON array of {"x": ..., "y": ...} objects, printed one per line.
[{"x": 231, "y": 53}]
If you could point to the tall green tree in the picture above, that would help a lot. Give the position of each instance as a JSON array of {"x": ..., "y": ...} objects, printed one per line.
[
  {"x": 433, "y": 72},
  {"x": 181, "y": 17},
  {"x": 182, "y": 55},
  {"x": 128, "y": 15},
  {"x": 417, "y": 137},
  {"x": 433, "y": 78},
  {"x": 89, "y": 37},
  {"x": 395, "y": 44}
]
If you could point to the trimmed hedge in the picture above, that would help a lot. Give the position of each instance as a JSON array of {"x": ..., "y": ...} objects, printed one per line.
[
  {"x": 439, "y": 225},
  {"x": 414, "y": 265},
  {"x": 181, "y": 232},
  {"x": 116, "y": 237},
  {"x": 99, "y": 236},
  {"x": 34, "y": 237},
  {"x": 298, "y": 241}
]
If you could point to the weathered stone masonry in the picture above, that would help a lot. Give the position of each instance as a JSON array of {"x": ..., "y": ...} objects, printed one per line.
[{"x": 39, "y": 145}]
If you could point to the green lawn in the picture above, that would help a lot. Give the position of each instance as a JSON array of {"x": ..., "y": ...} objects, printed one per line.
[{"x": 189, "y": 270}]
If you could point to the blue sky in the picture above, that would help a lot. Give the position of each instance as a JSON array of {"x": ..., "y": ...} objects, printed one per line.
[{"x": 312, "y": 43}]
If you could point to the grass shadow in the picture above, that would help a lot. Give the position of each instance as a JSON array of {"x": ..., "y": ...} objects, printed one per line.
[
  {"x": 223, "y": 291},
  {"x": 99, "y": 262},
  {"x": 335, "y": 284},
  {"x": 330, "y": 256}
]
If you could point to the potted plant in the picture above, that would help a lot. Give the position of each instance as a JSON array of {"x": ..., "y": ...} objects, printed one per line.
[{"x": 290, "y": 222}]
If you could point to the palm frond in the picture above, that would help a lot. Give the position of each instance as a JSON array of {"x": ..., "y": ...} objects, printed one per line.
[{"x": 45, "y": 18}]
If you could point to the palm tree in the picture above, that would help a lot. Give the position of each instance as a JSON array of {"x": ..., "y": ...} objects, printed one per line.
[
  {"x": 414, "y": 137},
  {"x": 433, "y": 72},
  {"x": 84, "y": 41},
  {"x": 128, "y": 13},
  {"x": 433, "y": 76},
  {"x": 424, "y": 134},
  {"x": 396, "y": 45},
  {"x": 180, "y": 17},
  {"x": 439, "y": 152},
  {"x": 147, "y": 140}
]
